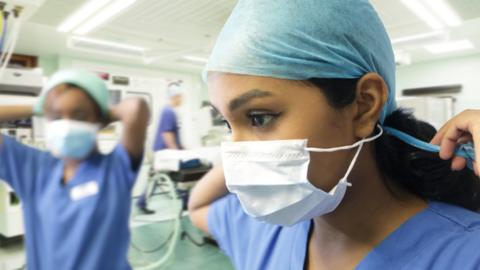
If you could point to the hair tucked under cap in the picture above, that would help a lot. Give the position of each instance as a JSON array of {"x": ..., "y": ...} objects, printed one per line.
[
  {"x": 299, "y": 40},
  {"x": 308, "y": 39},
  {"x": 86, "y": 81}
]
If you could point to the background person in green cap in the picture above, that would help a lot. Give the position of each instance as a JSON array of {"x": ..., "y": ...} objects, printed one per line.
[{"x": 76, "y": 201}]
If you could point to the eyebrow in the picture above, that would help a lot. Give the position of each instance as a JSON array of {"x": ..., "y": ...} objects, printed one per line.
[{"x": 247, "y": 97}]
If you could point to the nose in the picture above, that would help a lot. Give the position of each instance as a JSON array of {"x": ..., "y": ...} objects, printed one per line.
[{"x": 240, "y": 135}]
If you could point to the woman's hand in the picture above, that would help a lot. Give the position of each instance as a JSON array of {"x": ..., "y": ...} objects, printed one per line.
[{"x": 463, "y": 128}]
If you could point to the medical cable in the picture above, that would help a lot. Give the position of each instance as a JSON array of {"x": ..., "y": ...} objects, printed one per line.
[
  {"x": 160, "y": 247},
  {"x": 5, "y": 17},
  {"x": 175, "y": 233},
  {"x": 152, "y": 250},
  {"x": 205, "y": 240},
  {"x": 12, "y": 43}
]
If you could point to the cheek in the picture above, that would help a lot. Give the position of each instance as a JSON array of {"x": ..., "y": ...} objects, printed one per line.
[
  {"x": 326, "y": 169},
  {"x": 325, "y": 129}
]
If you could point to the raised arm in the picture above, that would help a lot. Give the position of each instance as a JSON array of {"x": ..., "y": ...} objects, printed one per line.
[
  {"x": 134, "y": 115},
  {"x": 209, "y": 188},
  {"x": 14, "y": 112}
]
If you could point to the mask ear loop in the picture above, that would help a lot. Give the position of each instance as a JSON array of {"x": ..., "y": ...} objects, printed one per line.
[
  {"x": 358, "y": 144},
  {"x": 350, "y": 167},
  {"x": 347, "y": 147}
]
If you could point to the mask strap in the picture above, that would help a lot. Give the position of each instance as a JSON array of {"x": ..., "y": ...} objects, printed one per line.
[
  {"x": 348, "y": 147},
  {"x": 465, "y": 150},
  {"x": 350, "y": 167}
]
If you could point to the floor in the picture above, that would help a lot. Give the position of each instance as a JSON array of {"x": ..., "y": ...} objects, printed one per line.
[
  {"x": 186, "y": 256},
  {"x": 153, "y": 236},
  {"x": 12, "y": 256}
]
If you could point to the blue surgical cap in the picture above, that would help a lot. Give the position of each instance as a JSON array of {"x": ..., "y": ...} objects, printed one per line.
[{"x": 304, "y": 39}]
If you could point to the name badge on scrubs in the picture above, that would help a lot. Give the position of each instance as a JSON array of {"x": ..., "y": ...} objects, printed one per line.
[{"x": 84, "y": 191}]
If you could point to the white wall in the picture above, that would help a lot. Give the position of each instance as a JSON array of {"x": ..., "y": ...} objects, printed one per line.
[
  {"x": 192, "y": 85},
  {"x": 461, "y": 70}
]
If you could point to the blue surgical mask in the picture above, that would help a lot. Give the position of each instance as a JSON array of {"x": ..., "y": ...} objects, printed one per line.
[{"x": 71, "y": 139}]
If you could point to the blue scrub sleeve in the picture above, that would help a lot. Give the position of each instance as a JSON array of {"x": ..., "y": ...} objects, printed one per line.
[
  {"x": 125, "y": 163},
  {"x": 19, "y": 165},
  {"x": 228, "y": 224},
  {"x": 168, "y": 121}
]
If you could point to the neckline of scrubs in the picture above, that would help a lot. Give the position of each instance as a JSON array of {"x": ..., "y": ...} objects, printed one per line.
[
  {"x": 379, "y": 255},
  {"x": 76, "y": 176}
]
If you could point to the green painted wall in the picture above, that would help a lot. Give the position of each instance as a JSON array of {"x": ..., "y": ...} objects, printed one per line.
[{"x": 49, "y": 64}]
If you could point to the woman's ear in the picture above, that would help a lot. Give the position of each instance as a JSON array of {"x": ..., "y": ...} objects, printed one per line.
[{"x": 372, "y": 94}]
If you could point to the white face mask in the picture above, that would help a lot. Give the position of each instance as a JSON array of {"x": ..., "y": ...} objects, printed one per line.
[
  {"x": 71, "y": 139},
  {"x": 270, "y": 179}
]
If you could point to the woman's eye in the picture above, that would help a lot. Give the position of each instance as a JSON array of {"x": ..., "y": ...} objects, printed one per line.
[{"x": 261, "y": 120}]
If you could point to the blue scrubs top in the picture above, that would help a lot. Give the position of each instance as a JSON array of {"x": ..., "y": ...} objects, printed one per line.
[
  {"x": 440, "y": 237},
  {"x": 79, "y": 225},
  {"x": 168, "y": 123}
]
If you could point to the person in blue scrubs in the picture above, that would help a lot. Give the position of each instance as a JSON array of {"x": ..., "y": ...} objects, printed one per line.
[
  {"x": 168, "y": 134},
  {"x": 323, "y": 170},
  {"x": 76, "y": 201}
]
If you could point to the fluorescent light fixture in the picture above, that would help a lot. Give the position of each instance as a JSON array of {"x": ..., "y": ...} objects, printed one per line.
[
  {"x": 195, "y": 59},
  {"x": 82, "y": 14},
  {"x": 423, "y": 13},
  {"x": 444, "y": 11},
  {"x": 419, "y": 37},
  {"x": 108, "y": 44},
  {"x": 451, "y": 46},
  {"x": 103, "y": 16}
]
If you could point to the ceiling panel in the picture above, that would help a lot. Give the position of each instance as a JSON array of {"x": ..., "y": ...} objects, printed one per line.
[
  {"x": 466, "y": 9},
  {"x": 182, "y": 20},
  {"x": 173, "y": 28},
  {"x": 54, "y": 12}
]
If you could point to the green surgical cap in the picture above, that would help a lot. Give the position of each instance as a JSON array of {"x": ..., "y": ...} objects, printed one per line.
[{"x": 86, "y": 81}]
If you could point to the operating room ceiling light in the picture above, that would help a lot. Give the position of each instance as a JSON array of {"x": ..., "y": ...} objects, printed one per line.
[
  {"x": 423, "y": 13},
  {"x": 451, "y": 46},
  {"x": 421, "y": 38},
  {"x": 103, "y": 16},
  {"x": 195, "y": 59},
  {"x": 82, "y": 14},
  {"x": 436, "y": 13},
  {"x": 93, "y": 14},
  {"x": 107, "y": 44},
  {"x": 444, "y": 11}
]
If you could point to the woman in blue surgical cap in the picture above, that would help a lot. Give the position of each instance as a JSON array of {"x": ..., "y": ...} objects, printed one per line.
[
  {"x": 76, "y": 201},
  {"x": 323, "y": 170}
]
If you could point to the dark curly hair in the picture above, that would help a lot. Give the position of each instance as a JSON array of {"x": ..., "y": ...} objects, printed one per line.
[{"x": 421, "y": 173}]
